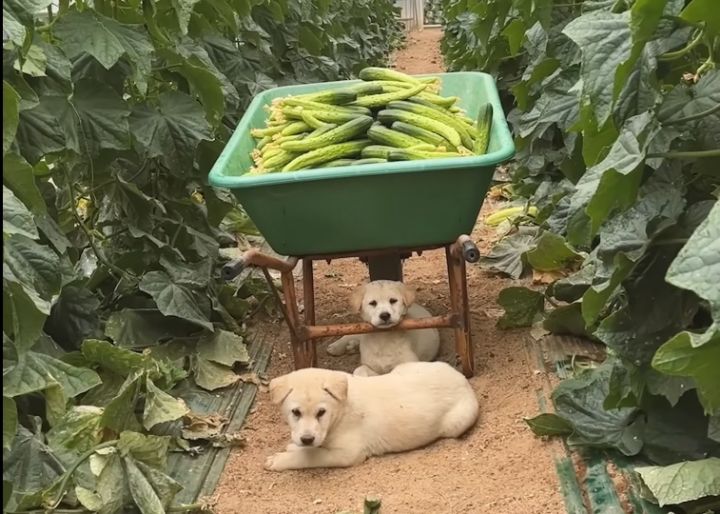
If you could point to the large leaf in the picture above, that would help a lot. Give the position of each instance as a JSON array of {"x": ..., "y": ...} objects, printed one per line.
[
  {"x": 37, "y": 371},
  {"x": 580, "y": 401},
  {"x": 36, "y": 266},
  {"x": 120, "y": 361},
  {"x": 74, "y": 316},
  {"x": 17, "y": 219},
  {"x": 507, "y": 256},
  {"x": 102, "y": 117},
  {"x": 605, "y": 41},
  {"x": 149, "y": 449},
  {"x": 549, "y": 424},
  {"x": 104, "y": 38},
  {"x": 684, "y": 481},
  {"x": 151, "y": 489},
  {"x": 225, "y": 348},
  {"x": 686, "y": 103},
  {"x": 172, "y": 130},
  {"x": 19, "y": 14},
  {"x": 173, "y": 299},
  {"x": 160, "y": 407},
  {"x": 119, "y": 413},
  {"x": 140, "y": 328},
  {"x": 522, "y": 307},
  {"x": 679, "y": 357},
  {"x": 18, "y": 175},
  {"x": 211, "y": 376},
  {"x": 703, "y": 11},
  {"x": 551, "y": 253}
]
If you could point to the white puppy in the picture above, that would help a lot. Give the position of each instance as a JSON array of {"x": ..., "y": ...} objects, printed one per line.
[
  {"x": 339, "y": 420},
  {"x": 383, "y": 304}
]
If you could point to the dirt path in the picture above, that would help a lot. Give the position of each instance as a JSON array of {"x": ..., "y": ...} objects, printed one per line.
[{"x": 499, "y": 467}]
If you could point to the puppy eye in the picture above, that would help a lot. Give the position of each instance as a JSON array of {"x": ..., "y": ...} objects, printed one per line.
[
  {"x": 320, "y": 413},
  {"x": 393, "y": 301},
  {"x": 296, "y": 412},
  {"x": 373, "y": 304}
]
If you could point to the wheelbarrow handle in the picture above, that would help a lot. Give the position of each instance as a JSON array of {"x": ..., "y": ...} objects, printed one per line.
[
  {"x": 232, "y": 269},
  {"x": 470, "y": 251}
]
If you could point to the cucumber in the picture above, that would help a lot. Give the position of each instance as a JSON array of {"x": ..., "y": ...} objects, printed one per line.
[
  {"x": 325, "y": 116},
  {"x": 264, "y": 141},
  {"x": 259, "y": 133},
  {"x": 333, "y": 96},
  {"x": 372, "y": 73},
  {"x": 366, "y": 88},
  {"x": 436, "y": 114},
  {"x": 340, "y": 134},
  {"x": 408, "y": 154},
  {"x": 389, "y": 116},
  {"x": 484, "y": 124},
  {"x": 329, "y": 153},
  {"x": 385, "y": 136},
  {"x": 279, "y": 160},
  {"x": 385, "y": 98},
  {"x": 338, "y": 162},
  {"x": 420, "y": 134},
  {"x": 294, "y": 101},
  {"x": 369, "y": 160},
  {"x": 296, "y": 127},
  {"x": 311, "y": 120},
  {"x": 376, "y": 152}
]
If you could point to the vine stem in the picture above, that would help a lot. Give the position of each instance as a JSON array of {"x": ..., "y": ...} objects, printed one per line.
[
  {"x": 68, "y": 474},
  {"x": 671, "y": 56},
  {"x": 696, "y": 116},
  {"x": 701, "y": 154}
]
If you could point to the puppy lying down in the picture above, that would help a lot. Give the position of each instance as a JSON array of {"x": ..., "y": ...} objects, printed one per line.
[
  {"x": 339, "y": 420},
  {"x": 384, "y": 304}
]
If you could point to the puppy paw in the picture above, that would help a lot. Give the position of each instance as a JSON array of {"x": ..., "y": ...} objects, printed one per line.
[
  {"x": 292, "y": 447},
  {"x": 342, "y": 346},
  {"x": 279, "y": 461}
]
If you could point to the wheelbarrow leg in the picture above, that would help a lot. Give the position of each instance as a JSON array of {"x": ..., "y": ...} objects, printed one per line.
[
  {"x": 460, "y": 306},
  {"x": 309, "y": 303},
  {"x": 293, "y": 319}
]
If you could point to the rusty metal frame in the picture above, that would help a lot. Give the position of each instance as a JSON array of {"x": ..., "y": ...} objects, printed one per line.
[{"x": 304, "y": 331}]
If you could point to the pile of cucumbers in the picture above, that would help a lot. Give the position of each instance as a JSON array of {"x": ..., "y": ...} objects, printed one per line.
[{"x": 390, "y": 116}]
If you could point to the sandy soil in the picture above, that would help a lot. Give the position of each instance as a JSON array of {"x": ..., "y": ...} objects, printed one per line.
[{"x": 499, "y": 467}]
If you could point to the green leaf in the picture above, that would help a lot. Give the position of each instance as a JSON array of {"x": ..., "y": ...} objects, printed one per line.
[
  {"x": 183, "y": 10},
  {"x": 11, "y": 116},
  {"x": 119, "y": 413},
  {"x": 104, "y": 38},
  {"x": 118, "y": 360},
  {"x": 18, "y": 14},
  {"x": 16, "y": 217},
  {"x": 678, "y": 357},
  {"x": 36, "y": 371},
  {"x": 77, "y": 432},
  {"x": 225, "y": 348},
  {"x": 140, "y": 328},
  {"x": 74, "y": 316},
  {"x": 522, "y": 307},
  {"x": 566, "y": 319},
  {"x": 173, "y": 299},
  {"x": 24, "y": 314},
  {"x": 160, "y": 407},
  {"x": 19, "y": 177},
  {"x": 682, "y": 482},
  {"x": 112, "y": 486},
  {"x": 41, "y": 132},
  {"x": 149, "y": 449},
  {"x": 508, "y": 254},
  {"x": 309, "y": 40},
  {"x": 103, "y": 116},
  {"x": 35, "y": 266},
  {"x": 151, "y": 490},
  {"x": 580, "y": 401},
  {"x": 703, "y": 11},
  {"x": 172, "y": 130},
  {"x": 551, "y": 253},
  {"x": 10, "y": 422},
  {"x": 684, "y": 102},
  {"x": 212, "y": 376},
  {"x": 697, "y": 266},
  {"x": 548, "y": 424},
  {"x": 605, "y": 41}
]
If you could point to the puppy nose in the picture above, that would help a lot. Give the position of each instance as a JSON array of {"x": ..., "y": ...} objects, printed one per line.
[
  {"x": 307, "y": 440},
  {"x": 384, "y": 316}
]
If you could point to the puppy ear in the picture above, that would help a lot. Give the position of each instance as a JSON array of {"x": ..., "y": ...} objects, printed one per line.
[
  {"x": 279, "y": 389},
  {"x": 357, "y": 298},
  {"x": 337, "y": 386},
  {"x": 408, "y": 294}
]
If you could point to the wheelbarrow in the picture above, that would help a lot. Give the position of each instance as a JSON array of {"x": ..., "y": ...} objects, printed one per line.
[{"x": 381, "y": 214}]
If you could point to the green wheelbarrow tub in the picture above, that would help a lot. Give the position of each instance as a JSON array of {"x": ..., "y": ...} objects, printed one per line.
[{"x": 366, "y": 207}]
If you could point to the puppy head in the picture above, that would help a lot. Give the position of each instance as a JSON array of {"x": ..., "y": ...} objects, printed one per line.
[
  {"x": 382, "y": 303},
  {"x": 311, "y": 400}
]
